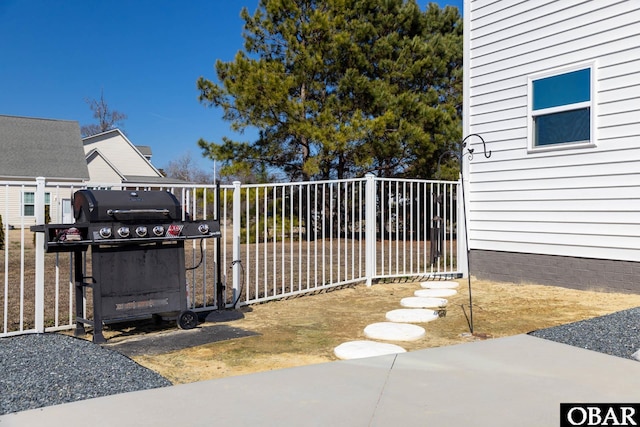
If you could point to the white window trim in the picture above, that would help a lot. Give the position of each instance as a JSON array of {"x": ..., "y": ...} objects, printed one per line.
[
  {"x": 23, "y": 203},
  {"x": 591, "y": 104}
]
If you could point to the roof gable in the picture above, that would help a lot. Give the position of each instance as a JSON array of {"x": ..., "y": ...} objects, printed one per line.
[
  {"x": 101, "y": 168},
  {"x": 121, "y": 153}
]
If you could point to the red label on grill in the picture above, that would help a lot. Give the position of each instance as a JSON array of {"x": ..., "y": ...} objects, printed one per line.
[{"x": 174, "y": 230}]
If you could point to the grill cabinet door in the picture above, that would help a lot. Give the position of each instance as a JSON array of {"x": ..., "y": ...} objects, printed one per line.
[{"x": 137, "y": 280}]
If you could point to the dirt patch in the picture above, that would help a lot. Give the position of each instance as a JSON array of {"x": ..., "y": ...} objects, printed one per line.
[{"x": 305, "y": 330}]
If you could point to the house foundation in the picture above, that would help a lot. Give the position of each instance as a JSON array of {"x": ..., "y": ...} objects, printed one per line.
[{"x": 569, "y": 272}]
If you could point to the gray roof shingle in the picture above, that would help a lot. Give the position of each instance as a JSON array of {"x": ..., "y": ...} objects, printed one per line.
[
  {"x": 145, "y": 150},
  {"x": 32, "y": 147}
]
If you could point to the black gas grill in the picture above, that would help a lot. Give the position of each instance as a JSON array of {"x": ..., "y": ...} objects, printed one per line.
[{"x": 137, "y": 255}]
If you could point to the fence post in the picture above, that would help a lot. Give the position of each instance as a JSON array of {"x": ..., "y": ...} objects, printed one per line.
[
  {"x": 461, "y": 231},
  {"x": 39, "y": 278},
  {"x": 370, "y": 227},
  {"x": 235, "y": 239}
]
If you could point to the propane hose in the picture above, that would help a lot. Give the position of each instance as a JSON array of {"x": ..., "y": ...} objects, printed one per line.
[
  {"x": 237, "y": 261},
  {"x": 201, "y": 257}
]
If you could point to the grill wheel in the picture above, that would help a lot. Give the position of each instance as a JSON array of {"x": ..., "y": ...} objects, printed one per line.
[{"x": 187, "y": 320}]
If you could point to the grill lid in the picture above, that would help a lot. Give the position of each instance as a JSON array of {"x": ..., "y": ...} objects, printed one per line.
[{"x": 125, "y": 205}]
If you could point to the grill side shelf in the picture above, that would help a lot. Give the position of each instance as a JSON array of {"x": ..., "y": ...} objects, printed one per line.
[{"x": 64, "y": 237}]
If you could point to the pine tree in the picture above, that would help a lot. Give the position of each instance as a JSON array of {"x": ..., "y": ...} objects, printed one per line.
[{"x": 338, "y": 88}]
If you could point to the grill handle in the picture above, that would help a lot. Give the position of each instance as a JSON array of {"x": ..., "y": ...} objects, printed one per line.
[{"x": 112, "y": 212}]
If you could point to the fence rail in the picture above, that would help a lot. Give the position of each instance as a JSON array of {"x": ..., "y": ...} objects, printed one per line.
[{"x": 277, "y": 240}]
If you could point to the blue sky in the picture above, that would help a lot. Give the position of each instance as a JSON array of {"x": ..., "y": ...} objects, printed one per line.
[{"x": 146, "y": 56}]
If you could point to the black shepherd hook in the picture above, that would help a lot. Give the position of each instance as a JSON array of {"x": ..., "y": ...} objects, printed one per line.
[
  {"x": 461, "y": 151},
  {"x": 470, "y": 151},
  {"x": 460, "y": 155}
]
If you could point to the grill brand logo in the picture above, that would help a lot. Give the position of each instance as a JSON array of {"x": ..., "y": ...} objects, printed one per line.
[
  {"x": 599, "y": 414},
  {"x": 174, "y": 230}
]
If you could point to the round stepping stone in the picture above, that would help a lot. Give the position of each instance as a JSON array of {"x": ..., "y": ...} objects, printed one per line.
[
  {"x": 423, "y": 302},
  {"x": 435, "y": 293},
  {"x": 389, "y": 331},
  {"x": 441, "y": 284},
  {"x": 412, "y": 315},
  {"x": 360, "y": 349}
]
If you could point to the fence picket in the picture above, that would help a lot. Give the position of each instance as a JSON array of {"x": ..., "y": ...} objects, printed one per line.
[{"x": 278, "y": 240}]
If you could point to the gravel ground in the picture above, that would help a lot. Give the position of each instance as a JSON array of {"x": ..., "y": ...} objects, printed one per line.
[
  {"x": 617, "y": 334},
  {"x": 49, "y": 369},
  {"x": 39, "y": 370}
]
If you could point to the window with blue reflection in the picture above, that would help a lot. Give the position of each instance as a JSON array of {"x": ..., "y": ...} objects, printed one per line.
[
  {"x": 563, "y": 89},
  {"x": 561, "y": 108}
]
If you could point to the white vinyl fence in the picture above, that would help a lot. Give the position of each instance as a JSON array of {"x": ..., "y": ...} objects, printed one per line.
[{"x": 278, "y": 240}]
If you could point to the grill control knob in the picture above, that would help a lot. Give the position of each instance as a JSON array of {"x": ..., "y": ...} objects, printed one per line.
[
  {"x": 105, "y": 232},
  {"x": 158, "y": 230},
  {"x": 203, "y": 228},
  {"x": 141, "y": 231},
  {"x": 123, "y": 231}
]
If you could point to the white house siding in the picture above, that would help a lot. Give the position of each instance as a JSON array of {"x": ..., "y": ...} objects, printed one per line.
[
  {"x": 125, "y": 157},
  {"x": 11, "y": 203},
  {"x": 581, "y": 203},
  {"x": 101, "y": 171},
  {"x": 58, "y": 194}
]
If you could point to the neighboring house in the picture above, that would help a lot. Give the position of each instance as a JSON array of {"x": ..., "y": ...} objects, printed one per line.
[
  {"x": 31, "y": 148},
  {"x": 54, "y": 149},
  {"x": 554, "y": 89},
  {"x": 112, "y": 158}
]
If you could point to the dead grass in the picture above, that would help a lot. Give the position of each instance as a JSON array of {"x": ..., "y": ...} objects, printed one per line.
[{"x": 305, "y": 330}]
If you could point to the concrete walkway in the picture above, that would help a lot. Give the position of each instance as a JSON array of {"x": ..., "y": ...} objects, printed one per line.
[{"x": 514, "y": 381}]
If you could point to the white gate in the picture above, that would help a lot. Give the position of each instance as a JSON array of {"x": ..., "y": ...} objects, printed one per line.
[{"x": 278, "y": 240}]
